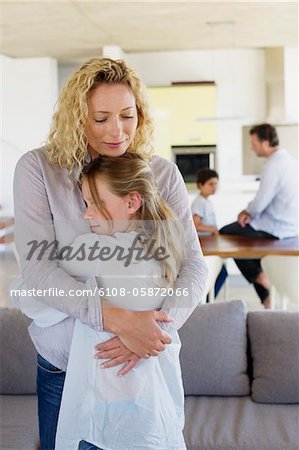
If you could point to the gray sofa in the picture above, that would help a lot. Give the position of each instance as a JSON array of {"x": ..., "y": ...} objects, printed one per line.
[{"x": 240, "y": 373}]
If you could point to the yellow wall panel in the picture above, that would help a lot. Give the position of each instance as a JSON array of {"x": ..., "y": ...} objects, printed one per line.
[{"x": 184, "y": 111}]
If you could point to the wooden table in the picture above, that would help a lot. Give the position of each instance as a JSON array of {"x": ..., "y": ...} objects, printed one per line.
[
  {"x": 245, "y": 247},
  {"x": 6, "y": 230}
]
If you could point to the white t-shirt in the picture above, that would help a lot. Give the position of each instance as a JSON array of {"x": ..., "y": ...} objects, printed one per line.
[
  {"x": 143, "y": 409},
  {"x": 204, "y": 208}
]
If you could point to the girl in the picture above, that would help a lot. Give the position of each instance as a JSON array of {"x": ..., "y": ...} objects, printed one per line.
[{"x": 144, "y": 409}]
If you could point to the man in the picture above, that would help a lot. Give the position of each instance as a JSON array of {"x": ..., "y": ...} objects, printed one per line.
[{"x": 273, "y": 213}]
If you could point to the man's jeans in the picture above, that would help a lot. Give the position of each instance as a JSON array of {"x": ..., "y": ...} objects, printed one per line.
[{"x": 50, "y": 381}]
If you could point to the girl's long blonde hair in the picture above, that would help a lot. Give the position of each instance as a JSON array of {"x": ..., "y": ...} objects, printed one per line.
[
  {"x": 67, "y": 141},
  {"x": 156, "y": 220}
]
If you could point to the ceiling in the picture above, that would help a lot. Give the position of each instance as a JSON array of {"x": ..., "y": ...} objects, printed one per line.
[{"x": 71, "y": 31}]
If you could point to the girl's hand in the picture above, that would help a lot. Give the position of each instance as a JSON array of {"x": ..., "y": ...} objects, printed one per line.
[
  {"x": 138, "y": 330},
  {"x": 117, "y": 353}
]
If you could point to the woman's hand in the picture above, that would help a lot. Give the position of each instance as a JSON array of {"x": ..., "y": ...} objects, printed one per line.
[
  {"x": 138, "y": 330},
  {"x": 117, "y": 353}
]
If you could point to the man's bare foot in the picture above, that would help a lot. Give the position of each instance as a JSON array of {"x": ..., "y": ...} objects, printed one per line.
[
  {"x": 263, "y": 280},
  {"x": 267, "y": 303}
]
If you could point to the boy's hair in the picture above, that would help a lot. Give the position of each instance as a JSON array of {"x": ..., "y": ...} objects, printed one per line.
[
  {"x": 203, "y": 175},
  {"x": 266, "y": 132},
  {"x": 157, "y": 222}
]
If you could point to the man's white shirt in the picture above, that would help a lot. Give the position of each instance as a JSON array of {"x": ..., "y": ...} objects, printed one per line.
[{"x": 275, "y": 206}]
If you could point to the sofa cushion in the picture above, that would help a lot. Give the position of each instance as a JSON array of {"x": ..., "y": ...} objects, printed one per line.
[
  {"x": 238, "y": 423},
  {"x": 274, "y": 342},
  {"x": 19, "y": 424},
  {"x": 18, "y": 355},
  {"x": 213, "y": 355}
]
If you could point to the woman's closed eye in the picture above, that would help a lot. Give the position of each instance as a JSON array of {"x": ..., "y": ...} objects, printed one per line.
[{"x": 104, "y": 120}]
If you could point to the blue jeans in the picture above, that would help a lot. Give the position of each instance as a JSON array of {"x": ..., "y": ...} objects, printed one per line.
[
  {"x": 50, "y": 381},
  {"x": 86, "y": 446},
  {"x": 220, "y": 280}
]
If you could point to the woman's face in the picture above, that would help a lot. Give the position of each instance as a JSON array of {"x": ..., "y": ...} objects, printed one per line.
[
  {"x": 118, "y": 209},
  {"x": 112, "y": 119}
]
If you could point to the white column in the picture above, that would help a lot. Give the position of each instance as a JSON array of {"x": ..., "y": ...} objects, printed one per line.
[
  {"x": 291, "y": 84},
  {"x": 28, "y": 97}
]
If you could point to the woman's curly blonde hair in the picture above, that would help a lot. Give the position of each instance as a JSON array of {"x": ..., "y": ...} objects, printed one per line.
[{"x": 67, "y": 141}]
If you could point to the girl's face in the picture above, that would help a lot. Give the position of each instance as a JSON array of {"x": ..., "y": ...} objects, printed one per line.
[
  {"x": 112, "y": 120},
  {"x": 209, "y": 187},
  {"x": 119, "y": 209}
]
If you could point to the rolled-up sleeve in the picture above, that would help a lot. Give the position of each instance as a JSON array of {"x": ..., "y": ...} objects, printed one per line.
[{"x": 34, "y": 221}]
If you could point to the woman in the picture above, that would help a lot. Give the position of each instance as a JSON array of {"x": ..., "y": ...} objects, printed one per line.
[{"x": 101, "y": 110}]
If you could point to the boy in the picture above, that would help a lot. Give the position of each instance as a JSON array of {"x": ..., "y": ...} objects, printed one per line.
[
  {"x": 202, "y": 208},
  {"x": 204, "y": 215}
]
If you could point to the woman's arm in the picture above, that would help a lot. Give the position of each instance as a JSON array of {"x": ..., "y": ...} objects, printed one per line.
[
  {"x": 138, "y": 330},
  {"x": 117, "y": 354},
  {"x": 34, "y": 222},
  {"x": 193, "y": 272}
]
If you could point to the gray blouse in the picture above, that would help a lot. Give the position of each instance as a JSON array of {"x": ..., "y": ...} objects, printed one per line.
[{"x": 49, "y": 211}]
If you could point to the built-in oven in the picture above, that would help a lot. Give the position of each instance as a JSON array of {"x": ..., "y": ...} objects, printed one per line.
[{"x": 190, "y": 159}]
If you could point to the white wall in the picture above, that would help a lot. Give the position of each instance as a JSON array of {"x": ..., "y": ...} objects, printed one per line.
[
  {"x": 63, "y": 73},
  {"x": 28, "y": 98},
  {"x": 241, "y": 95}
]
